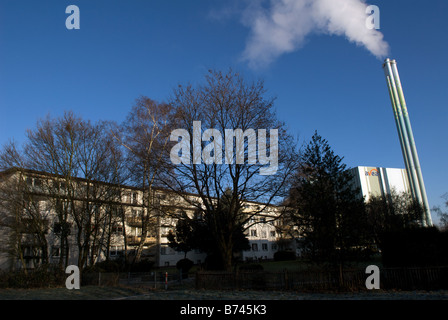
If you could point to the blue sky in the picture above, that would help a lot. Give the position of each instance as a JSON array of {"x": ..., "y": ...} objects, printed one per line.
[{"x": 323, "y": 82}]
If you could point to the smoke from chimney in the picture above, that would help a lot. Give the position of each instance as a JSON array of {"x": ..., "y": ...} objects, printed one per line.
[{"x": 285, "y": 24}]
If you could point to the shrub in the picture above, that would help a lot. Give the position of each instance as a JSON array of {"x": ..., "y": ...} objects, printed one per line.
[
  {"x": 415, "y": 247},
  {"x": 107, "y": 266},
  {"x": 251, "y": 267},
  {"x": 41, "y": 277},
  {"x": 184, "y": 265},
  {"x": 284, "y": 255},
  {"x": 142, "y": 266},
  {"x": 213, "y": 262}
]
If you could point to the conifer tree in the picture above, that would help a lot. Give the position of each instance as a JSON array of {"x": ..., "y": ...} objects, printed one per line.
[{"x": 327, "y": 210}]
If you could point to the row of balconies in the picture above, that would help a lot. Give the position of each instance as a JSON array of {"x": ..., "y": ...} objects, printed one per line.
[{"x": 134, "y": 240}]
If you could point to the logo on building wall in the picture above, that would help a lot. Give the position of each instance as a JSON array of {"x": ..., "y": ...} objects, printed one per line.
[{"x": 372, "y": 173}]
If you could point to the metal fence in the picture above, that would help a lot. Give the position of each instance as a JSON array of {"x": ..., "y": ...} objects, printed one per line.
[
  {"x": 154, "y": 279},
  {"x": 431, "y": 278},
  {"x": 428, "y": 278},
  {"x": 353, "y": 280}
]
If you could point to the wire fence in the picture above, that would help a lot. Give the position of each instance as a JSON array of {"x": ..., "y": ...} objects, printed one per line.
[
  {"x": 434, "y": 278},
  {"x": 153, "y": 279},
  {"x": 418, "y": 278}
]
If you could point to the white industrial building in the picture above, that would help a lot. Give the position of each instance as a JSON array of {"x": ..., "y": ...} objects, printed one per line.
[{"x": 376, "y": 181}]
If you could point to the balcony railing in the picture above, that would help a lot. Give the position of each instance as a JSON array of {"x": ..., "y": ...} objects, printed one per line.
[
  {"x": 136, "y": 240},
  {"x": 132, "y": 221}
]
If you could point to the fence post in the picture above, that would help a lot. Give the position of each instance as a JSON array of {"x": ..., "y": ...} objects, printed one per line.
[
  {"x": 236, "y": 282},
  {"x": 341, "y": 277},
  {"x": 286, "y": 278}
]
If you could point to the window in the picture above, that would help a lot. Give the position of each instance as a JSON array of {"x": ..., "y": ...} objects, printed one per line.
[
  {"x": 254, "y": 247},
  {"x": 55, "y": 252},
  {"x": 127, "y": 197},
  {"x": 29, "y": 181},
  {"x": 273, "y": 234},
  {"x": 165, "y": 250},
  {"x": 263, "y": 234},
  {"x": 42, "y": 205},
  {"x": 253, "y": 232},
  {"x": 274, "y": 247},
  {"x": 264, "y": 246},
  {"x": 134, "y": 197},
  {"x": 136, "y": 213},
  {"x": 117, "y": 229},
  {"x": 37, "y": 182}
]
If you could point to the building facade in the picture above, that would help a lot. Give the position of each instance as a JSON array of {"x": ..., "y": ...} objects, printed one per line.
[
  {"x": 101, "y": 221},
  {"x": 376, "y": 181}
]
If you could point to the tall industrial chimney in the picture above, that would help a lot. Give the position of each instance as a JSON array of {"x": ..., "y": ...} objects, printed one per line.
[{"x": 406, "y": 137}]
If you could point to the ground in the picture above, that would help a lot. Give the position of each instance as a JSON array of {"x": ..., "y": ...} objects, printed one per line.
[
  {"x": 186, "y": 291},
  {"x": 132, "y": 293}
]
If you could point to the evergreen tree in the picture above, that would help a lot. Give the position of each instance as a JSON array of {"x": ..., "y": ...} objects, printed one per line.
[
  {"x": 183, "y": 238},
  {"x": 328, "y": 211}
]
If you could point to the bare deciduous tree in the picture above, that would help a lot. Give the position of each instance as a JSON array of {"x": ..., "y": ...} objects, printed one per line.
[
  {"x": 145, "y": 134},
  {"x": 80, "y": 168},
  {"x": 23, "y": 217},
  {"x": 235, "y": 109}
]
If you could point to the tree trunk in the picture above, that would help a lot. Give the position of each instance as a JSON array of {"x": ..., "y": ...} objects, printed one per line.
[
  {"x": 139, "y": 251},
  {"x": 227, "y": 255}
]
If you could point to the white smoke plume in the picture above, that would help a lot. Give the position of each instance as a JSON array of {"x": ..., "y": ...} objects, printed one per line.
[{"x": 285, "y": 24}]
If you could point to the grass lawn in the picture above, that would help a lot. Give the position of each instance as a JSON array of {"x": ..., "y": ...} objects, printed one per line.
[{"x": 278, "y": 266}]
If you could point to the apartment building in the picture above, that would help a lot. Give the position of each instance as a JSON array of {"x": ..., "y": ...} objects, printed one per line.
[{"x": 46, "y": 219}]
